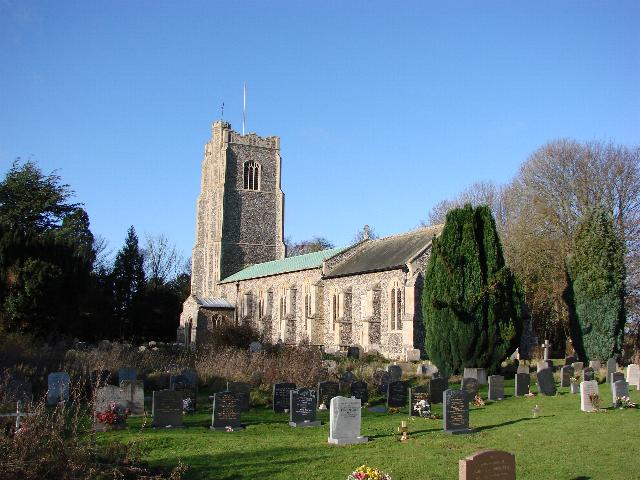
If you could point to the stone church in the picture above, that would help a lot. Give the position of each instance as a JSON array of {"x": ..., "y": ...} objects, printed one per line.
[{"x": 365, "y": 295}]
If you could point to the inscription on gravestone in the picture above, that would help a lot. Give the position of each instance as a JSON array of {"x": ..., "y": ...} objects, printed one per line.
[
  {"x": 281, "y": 396},
  {"x": 488, "y": 465},
  {"x": 417, "y": 394},
  {"x": 326, "y": 391},
  {"x": 396, "y": 395},
  {"x": 523, "y": 382},
  {"x": 360, "y": 390},
  {"x": 166, "y": 409},
  {"x": 226, "y": 412},
  {"x": 456, "y": 411},
  {"x": 303, "y": 408},
  {"x": 345, "y": 421},
  {"x": 243, "y": 393}
]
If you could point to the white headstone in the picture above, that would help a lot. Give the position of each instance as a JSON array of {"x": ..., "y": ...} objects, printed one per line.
[
  {"x": 345, "y": 421},
  {"x": 595, "y": 364},
  {"x": 58, "y": 388},
  {"x": 587, "y": 389},
  {"x": 134, "y": 391},
  {"x": 412, "y": 355},
  {"x": 633, "y": 375},
  {"x": 578, "y": 367}
]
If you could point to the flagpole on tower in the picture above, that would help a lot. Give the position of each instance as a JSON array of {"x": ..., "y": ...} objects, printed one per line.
[{"x": 244, "y": 105}]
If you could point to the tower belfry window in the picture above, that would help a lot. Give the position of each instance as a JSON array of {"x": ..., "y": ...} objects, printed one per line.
[{"x": 251, "y": 176}]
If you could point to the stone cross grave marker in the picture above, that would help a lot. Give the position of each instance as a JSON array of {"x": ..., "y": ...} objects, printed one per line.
[
  {"x": 226, "y": 412},
  {"x": 455, "y": 411},
  {"x": 417, "y": 394},
  {"x": 166, "y": 409},
  {"x": 546, "y": 383},
  {"x": 281, "y": 396},
  {"x": 587, "y": 389},
  {"x": 396, "y": 395},
  {"x": 496, "y": 387},
  {"x": 470, "y": 387},
  {"x": 566, "y": 373},
  {"x": 243, "y": 393},
  {"x": 523, "y": 382},
  {"x": 134, "y": 390},
  {"x": 303, "y": 408},
  {"x": 360, "y": 390},
  {"x": 612, "y": 366},
  {"x": 127, "y": 373},
  {"x": 547, "y": 347},
  {"x": 437, "y": 386},
  {"x": 58, "y": 388},
  {"x": 480, "y": 374},
  {"x": 395, "y": 372},
  {"x": 578, "y": 367},
  {"x": 184, "y": 386},
  {"x": 326, "y": 391},
  {"x": 588, "y": 374},
  {"x": 633, "y": 375},
  {"x": 619, "y": 388},
  {"x": 488, "y": 465},
  {"x": 345, "y": 421}
]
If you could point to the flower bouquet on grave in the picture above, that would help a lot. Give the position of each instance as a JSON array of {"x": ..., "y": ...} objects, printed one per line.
[
  {"x": 187, "y": 405},
  {"x": 367, "y": 473},
  {"x": 595, "y": 400},
  {"x": 624, "y": 402},
  {"x": 478, "y": 401},
  {"x": 115, "y": 416},
  {"x": 423, "y": 408}
]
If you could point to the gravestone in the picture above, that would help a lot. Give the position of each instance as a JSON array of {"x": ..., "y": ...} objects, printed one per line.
[
  {"x": 588, "y": 374},
  {"x": 412, "y": 355},
  {"x": 166, "y": 409},
  {"x": 455, "y": 411},
  {"x": 226, "y": 412},
  {"x": 569, "y": 360},
  {"x": 184, "y": 386},
  {"x": 496, "y": 387},
  {"x": 595, "y": 364},
  {"x": 395, "y": 372},
  {"x": 396, "y": 395},
  {"x": 566, "y": 373},
  {"x": 346, "y": 379},
  {"x": 243, "y": 393},
  {"x": 426, "y": 370},
  {"x": 360, "y": 390},
  {"x": 523, "y": 369},
  {"x": 619, "y": 389},
  {"x": 127, "y": 373},
  {"x": 633, "y": 375},
  {"x": 615, "y": 376},
  {"x": 106, "y": 397},
  {"x": 58, "y": 388},
  {"x": 523, "y": 382},
  {"x": 578, "y": 367},
  {"x": 353, "y": 352},
  {"x": 437, "y": 386},
  {"x": 303, "y": 408},
  {"x": 381, "y": 379},
  {"x": 546, "y": 383},
  {"x": 480, "y": 374},
  {"x": 417, "y": 394},
  {"x": 547, "y": 347},
  {"x": 587, "y": 389},
  {"x": 345, "y": 421},
  {"x": 470, "y": 387},
  {"x": 488, "y": 465},
  {"x": 612, "y": 366},
  {"x": 326, "y": 391},
  {"x": 134, "y": 391},
  {"x": 281, "y": 396}
]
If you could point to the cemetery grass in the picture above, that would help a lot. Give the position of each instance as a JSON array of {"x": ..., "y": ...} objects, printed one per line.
[{"x": 562, "y": 443}]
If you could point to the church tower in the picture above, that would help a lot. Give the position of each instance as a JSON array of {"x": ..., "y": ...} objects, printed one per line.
[{"x": 240, "y": 209}]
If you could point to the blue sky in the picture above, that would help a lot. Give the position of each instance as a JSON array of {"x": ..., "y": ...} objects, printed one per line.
[{"x": 383, "y": 108}]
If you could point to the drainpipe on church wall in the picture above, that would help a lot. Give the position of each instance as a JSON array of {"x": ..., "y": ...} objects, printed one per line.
[{"x": 235, "y": 311}]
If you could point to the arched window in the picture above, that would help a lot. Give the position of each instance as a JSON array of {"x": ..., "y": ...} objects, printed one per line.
[
  {"x": 395, "y": 307},
  {"x": 251, "y": 176},
  {"x": 260, "y": 305},
  {"x": 215, "y": 321}
]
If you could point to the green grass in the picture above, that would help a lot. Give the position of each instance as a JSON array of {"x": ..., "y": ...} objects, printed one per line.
[{"x": 562, "y": 443}]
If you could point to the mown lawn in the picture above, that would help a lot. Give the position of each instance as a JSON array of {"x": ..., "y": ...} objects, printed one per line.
[{"x": 562, "y": 443}]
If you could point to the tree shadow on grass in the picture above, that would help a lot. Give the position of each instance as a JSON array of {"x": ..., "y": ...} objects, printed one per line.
[
  {"x": 510, "y": 422},
  {"x": 581, "y": 478}
]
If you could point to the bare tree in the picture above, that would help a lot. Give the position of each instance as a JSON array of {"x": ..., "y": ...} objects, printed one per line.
[
  {"x": 162, "y": 261},
  {"x": 315, "y": 244},
  {"x": 365, "y": 233}
]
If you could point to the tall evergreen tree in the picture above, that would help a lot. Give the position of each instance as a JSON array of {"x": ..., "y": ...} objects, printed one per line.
[
  {"x": 597, "y": 287},
  {"x": 472, "y": 305},
  {"x": 128, "y": 284}
]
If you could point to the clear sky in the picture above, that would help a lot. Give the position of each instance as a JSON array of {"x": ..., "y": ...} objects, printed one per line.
[{"x": 383, "y": 108}]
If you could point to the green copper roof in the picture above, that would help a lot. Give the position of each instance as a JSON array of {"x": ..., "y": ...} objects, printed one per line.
[{"x": 290, "y": 264}]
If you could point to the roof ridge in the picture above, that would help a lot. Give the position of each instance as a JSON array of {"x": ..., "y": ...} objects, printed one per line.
[{"x": 409, "y": 232}]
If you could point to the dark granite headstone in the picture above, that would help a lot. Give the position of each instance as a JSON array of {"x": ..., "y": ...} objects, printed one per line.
[
  {"x": 615, "y": 376},
  {"x": 437, "y": 386},
  {"x": 456, "y": 411},
  {"x": 619, "y": 388},
  {"x": 496, "y": 387},
  {"x": 588, "y": 374},
  {"x": 226, "y": 412},
  {"x": 470, "y": 387},
  {"x": 281, "y": 396},
  {"x": 546, "y": 383},
  {"x": 417, "y": 394},
  {"x": 166, "y": 409},
  {"x": 566, "y": 373},
  {"x": 303, "y": 408},
  {"x": 395, "y": 372},
  {"x": 396, "y": 395},
  {"x": 186, "y": 388},
  {"x": 346, "y": 379},
  {"x": 326, "y": 391},
  {"x": 570, "y": 360},
  {"x": 353, "y": 352},
  {"x": 360, "y": 390},
  {"x": 243, "y": 392},
  {"x": 523, "y": 382}
]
